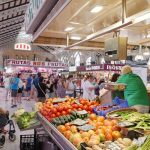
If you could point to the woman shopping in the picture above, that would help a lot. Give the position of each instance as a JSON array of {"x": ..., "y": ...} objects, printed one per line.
[{"x": 135, "y": 92}]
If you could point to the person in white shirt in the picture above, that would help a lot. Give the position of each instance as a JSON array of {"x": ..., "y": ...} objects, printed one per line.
[
  {"x": 7, "y": 85},
  {"x": 70, "y": 86},
  {"x": 88, "y": 88}
]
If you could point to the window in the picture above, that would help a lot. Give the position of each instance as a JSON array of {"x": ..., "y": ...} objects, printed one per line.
[{"x": 88, "y": 61}]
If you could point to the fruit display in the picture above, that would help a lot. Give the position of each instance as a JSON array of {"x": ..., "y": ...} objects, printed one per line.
[
  {"x": 103, "y": 130},
  {"x": 77, "y": 122},
  {"x": 52, "y": 110}
]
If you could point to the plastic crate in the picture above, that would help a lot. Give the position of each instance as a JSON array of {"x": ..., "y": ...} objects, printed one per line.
[
  {"x": 118, "y": 104},
  {"x": 44, "y": 142},
  {"x": 27, "y": 142}
]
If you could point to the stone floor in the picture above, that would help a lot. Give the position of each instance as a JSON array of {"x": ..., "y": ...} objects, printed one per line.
[{"x": 28, "y": 106}]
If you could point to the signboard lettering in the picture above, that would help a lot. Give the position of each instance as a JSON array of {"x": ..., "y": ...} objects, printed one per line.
[{"x": 36, "y": 63}]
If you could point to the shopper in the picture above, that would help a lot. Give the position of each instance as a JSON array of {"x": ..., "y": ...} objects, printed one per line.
[
  {"x": 7, "y": 85},
  {"x": 50, "y": 87},
  {"x": 135, "y": 92},
  {"x": 70, "y": 86},
  {"x": 14, "y": 89},
  {"x": 20, "y": 88},
  {"x": 60, "y": 89},
  {"x": 88, "y": 90},
  {"x": 115, "y": 77},
  {"x": 28, "y": 86},
  {"x": 41, "y": 89}
]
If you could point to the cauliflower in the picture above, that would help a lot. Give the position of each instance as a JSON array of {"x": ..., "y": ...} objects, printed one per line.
[{"x": 19, "y": 112}]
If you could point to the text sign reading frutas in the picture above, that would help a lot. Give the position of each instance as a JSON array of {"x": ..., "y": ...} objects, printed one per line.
[{"x": 36, "y": 63}]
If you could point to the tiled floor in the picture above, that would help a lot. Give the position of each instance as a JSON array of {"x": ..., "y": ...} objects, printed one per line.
[{"x": 28, "y": 106}]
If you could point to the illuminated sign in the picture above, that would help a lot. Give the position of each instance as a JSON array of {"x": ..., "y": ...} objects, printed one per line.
[{"x": 22, "y": 46}]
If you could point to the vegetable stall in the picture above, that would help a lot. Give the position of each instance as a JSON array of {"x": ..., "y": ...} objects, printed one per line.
[{"x": 80, "y": 124}]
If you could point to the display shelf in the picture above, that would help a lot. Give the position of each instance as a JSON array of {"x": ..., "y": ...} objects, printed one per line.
[{"x": 59, "y": 139}]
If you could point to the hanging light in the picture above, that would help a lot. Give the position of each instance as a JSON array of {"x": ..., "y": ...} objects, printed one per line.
[
  {"x": 139, "y": 57},
  {"x": 146, "y": 52}
]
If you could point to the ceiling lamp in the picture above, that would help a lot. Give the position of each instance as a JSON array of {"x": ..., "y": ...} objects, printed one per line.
[
  {"x": 146, "y": 52},
  {"x": 69, "y": 29},
  {"x": 96, "y": 9},
  {"x": 139, "y": 57},
  {"x": 75, "y": 37}
]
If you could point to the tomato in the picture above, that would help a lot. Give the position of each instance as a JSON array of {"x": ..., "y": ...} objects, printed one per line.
[
  {"x": 69, "y": 110},
  {"x": 64, "y": 113},
  {"x": 85, "y": 107},
  {"x": 58, "y": 114},
  {"x": 79, "y": 109},
  {"x": 53, "y": 115},
  {"x": 54, "y": 110}
]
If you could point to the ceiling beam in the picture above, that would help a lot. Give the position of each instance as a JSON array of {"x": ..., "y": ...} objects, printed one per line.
[
  {"x": 58, "y": 8},
  {"x": 50, "y": 41}
]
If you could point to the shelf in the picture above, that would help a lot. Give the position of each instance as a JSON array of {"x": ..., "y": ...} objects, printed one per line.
[{"x": 59, "y": 139}]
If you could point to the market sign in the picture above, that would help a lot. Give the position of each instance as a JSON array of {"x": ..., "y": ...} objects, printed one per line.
[
  {"x": 22, "y": 46},
  {"x": 104, "y": 67},
  {"x": 29, "y": 63}
]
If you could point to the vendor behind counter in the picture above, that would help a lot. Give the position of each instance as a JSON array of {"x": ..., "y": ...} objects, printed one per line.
[{"x": 135, "y": 92}]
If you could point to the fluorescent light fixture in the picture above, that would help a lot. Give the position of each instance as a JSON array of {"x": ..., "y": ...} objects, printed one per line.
[
  {"x": 96, "y": 9},
  {"x": 142, "y": 18},
  {"x": 75, "y": 37},
  {"x": 74, "y": 23},
  {"x": 69, "y": 28}
]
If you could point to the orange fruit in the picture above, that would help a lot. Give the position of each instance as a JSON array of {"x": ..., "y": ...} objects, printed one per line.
[{"x": 93, "y": 116}]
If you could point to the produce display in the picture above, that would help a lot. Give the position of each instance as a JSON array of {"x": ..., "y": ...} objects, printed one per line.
[
  {"x": 52, "y": 110},
  {"x": 24, "y": 119},
  {"x": 137, "y": 120},
  {"x": 78, "y": 123},
  {"x": 103, "y": 130}
]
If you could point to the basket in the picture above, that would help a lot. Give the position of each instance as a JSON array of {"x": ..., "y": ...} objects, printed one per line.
[
  {"x": 44, "y": 142},
  {"x": 116, "y": 104},
  {"x": 123, "y": 109},
  {"x": 27, "y": 142}
]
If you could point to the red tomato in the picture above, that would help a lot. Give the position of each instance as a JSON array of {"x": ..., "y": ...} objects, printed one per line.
[
  {"x": 54, "y": 110},
  {"x": 58, "y": 114},
  {"x": 69, "y": 110},
  {"x": 64, "y": 113},
  {"x": 53, "y": 115}
]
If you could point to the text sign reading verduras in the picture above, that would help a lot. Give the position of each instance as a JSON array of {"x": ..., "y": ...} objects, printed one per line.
[{"x": 36, "y": 63}]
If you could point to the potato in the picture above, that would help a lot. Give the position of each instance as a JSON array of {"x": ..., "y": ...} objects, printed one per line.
[{"x": 102, "y": 145}]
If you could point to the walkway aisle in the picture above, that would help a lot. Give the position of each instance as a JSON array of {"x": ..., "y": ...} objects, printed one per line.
[{"x": 27, "y": 105}]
